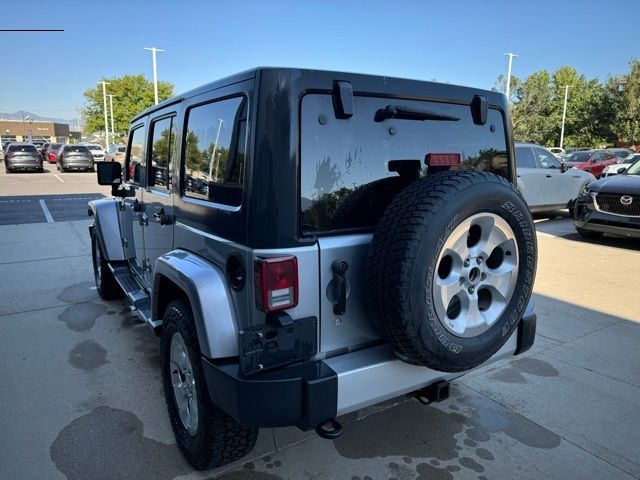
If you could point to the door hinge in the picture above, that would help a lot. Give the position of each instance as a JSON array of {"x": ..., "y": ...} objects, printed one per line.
[
  {"x": 125, "y": 242},
  {"x": 146, "y": 265}
]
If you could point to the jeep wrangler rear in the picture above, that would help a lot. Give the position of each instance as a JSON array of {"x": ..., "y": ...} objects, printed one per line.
[{"x": 310, "y": 243}]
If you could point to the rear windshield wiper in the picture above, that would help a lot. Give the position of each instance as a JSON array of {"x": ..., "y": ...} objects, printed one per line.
[{"x": 406, "y": 113}]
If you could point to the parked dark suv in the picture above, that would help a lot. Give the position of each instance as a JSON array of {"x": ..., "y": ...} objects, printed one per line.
[
  {"x": 22, "y": 156},
  {"x": 75, "y": 157},
  {"x": 308, "y": 243},
  {"x": 610, "y": 205}
]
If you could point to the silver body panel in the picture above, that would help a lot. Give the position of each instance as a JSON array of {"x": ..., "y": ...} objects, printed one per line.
[
  {"x": 107, "y": 222},
  {"x": 354, "y": 327},
  {"x": 209, "y": 296},
  {"x": 373, "y": 375}
]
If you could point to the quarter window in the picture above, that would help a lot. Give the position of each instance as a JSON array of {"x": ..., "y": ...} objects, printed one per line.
[
  {"x": 135, "y": 162},
  {"x": 162, "y": 152},
  {"x": 214, "y": 151}
]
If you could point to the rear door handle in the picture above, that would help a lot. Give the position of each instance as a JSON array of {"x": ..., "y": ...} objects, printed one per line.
[
  {"x": 339, "y": 268},
  {"x": 144, "y": 220},
  {"x": 548, "y": 176}
]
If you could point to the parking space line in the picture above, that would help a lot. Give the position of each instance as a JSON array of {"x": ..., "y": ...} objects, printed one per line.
[
  {"x": 45, "y": 210},
  {"x": 56, "y": 175}
]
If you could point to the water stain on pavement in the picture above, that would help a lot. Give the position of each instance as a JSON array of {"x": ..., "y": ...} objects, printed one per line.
[
  {"x": 79, "y": 292},
  {"x": 108, "y": 443},
  {"x": 81, "y": 317},
  {"x": 417, "y": 432},
  {"x": 430, "y": 472},
  {"x": 537, "y": 367},
  {"x": 247, "y": 474},
  {"x": 532, "y": 366},
  {"x": 488, "y": 417},
  {"x": 88, "y": 356}
]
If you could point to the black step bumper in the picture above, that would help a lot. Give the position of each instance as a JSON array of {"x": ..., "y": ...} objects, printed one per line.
[{"x": 303, "y": 394}]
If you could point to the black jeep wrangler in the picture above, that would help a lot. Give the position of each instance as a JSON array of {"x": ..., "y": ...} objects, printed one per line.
[{"x": 308, "y": 243}]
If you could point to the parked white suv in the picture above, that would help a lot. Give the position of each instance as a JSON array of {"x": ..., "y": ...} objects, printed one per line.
[
  {"x": 97, "y": 151},
  {"x": 545, "y": 182}
]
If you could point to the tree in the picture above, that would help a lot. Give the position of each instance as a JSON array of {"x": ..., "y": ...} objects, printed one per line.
[
  {"x": 131, "y": 95},
  {"x": 621, "y": 100}
]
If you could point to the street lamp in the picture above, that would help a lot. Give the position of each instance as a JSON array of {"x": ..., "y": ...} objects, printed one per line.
[
  {"x": 104, "y": 107},
  {"x": 153, "y": 51},
  {"x": 113, "y": 134},
  {"x": 508, "y": 92},
  {"x": 564, "y": 114}
]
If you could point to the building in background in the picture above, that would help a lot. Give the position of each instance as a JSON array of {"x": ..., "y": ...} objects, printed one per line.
[{"x": 19, "y": 131}]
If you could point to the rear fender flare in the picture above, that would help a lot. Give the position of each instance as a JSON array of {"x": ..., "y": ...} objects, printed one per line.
[
  {"x": 208, "y": 293},
  {"x": 107, "y": 225}
]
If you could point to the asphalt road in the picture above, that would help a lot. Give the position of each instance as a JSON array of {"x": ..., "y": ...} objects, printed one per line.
[
  {"x": 81, "y": 395},
  {"x": 51, "y": 196}
]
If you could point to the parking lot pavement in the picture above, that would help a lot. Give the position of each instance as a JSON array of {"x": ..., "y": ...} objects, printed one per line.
[
  {"x": 82, "y": 395},
  {"x": 46, "y": 197}
]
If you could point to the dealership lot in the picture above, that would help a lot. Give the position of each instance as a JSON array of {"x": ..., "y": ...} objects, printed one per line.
[{"x": 82, "y": 395}]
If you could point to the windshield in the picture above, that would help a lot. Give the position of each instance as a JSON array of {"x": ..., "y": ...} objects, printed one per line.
[
  {"x": 55, "y": 146},
  {"x": 629, "y": 159},
  {"x": 22, "y": 148},
  {"x": 94, "y": 147},
  {"x": 634, "y": 169},
  {"x": 76, "y": 149},
  {"x": 579, "y": 157}
]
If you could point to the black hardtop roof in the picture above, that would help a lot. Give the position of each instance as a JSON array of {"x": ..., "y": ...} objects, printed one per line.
[{"x": 394, "y": 84}]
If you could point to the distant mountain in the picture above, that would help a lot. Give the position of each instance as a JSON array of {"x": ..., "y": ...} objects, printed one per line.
[{"x": 20, "y": 114}]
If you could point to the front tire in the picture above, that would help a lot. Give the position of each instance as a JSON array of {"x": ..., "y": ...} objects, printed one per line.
[
  {"x": 106, "y": 284},
  {"x": 207, "y": 436},
  {"x": 588, "y": 233}
]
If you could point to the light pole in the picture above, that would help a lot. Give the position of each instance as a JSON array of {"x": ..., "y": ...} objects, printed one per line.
[
  {"x": 215, "y": 147},
  {"x": 508, "y": 93},
  {"x": 153, "y": 51},
  {"x": 104, "y": 103},
  {"x": 113, "y": 133},
  {"x": 564, "y": 114}
]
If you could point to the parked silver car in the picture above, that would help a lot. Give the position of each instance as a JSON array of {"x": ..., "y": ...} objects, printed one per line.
[
  {"x": 75, "y": 157},
  {"x": 545, "y": 182},
  {"x": 22, "y": 156}
]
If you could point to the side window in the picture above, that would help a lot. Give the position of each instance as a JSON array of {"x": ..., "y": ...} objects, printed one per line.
[
  {"x": 596, "y": 157},
  {"x": 135, "y": 160},
  {"x": 546, "y": 159},
  {"x": 162, "y": 152},
  {"x": 525, "y": 158},
  {"x": 214, "y": 151}
]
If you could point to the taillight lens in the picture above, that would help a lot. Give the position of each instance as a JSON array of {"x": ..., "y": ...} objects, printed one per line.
[{"x": 276, "y": 283}]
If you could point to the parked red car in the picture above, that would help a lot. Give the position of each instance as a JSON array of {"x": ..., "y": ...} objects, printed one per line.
[
  {"x": 592, "y": 161},
  {"x": 51, "y": 152}
]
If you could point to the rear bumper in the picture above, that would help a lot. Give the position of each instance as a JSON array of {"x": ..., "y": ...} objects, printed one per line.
[
  {"x": 310, "y": 393},
  {"x": 79, "y": 165},
  {"x": 24, "y": 165}
]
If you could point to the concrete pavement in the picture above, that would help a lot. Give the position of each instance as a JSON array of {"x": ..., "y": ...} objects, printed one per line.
[{"x": 82, "y": 396}]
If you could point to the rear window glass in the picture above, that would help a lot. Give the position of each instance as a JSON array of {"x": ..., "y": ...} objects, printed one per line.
[
  {"x": 121, "y": 149},
  {"x": 76, "y": 149},
  {"x": 214, "y": 151},
  {"x": 525, "y": 158},
  {"x": 55, "y": 146},
  {"x": 94, "y": 147},
  {"x": 339, "y": 158},
  {"x": 23, "y": 148}
]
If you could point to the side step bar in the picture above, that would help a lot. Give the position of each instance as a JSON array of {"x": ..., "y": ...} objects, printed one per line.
[{"x": 138, "y": 297}]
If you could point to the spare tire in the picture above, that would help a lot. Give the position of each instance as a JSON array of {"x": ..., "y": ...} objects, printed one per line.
[{"x": 451, "y": 268}]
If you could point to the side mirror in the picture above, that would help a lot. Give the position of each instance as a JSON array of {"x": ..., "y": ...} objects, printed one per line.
[
  {"x": 622, "y": 169},
  {"x": 109, "y": 173},
  {"x": 563, "y": 167}
]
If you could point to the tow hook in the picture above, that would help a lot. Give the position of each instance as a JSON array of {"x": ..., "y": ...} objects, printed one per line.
[
  {"x": 329, "y": 430},
  {"x": 436, "y": 392}
]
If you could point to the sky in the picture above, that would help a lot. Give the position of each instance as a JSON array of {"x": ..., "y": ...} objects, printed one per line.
[{"x": 461, "y": 42}]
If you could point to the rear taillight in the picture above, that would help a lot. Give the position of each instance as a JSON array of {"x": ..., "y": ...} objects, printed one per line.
[{"x": 276, "y": 283}]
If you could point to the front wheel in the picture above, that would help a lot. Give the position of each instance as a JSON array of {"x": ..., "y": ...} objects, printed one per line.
[
  {"x": 206, "y": 435},
  {"x": 106, "y": 284}
]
